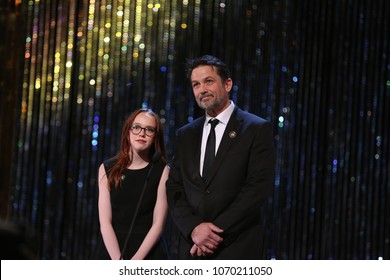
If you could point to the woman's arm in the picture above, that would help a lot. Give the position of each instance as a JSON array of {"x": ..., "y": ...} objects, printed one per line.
[
  {"x": 159, "y": 216},
  {"x": 104, "y": 205}
]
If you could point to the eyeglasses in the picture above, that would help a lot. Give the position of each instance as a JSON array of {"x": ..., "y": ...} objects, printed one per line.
[{"x": 136, "y": 130}]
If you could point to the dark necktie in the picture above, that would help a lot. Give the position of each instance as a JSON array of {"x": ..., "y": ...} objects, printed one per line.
[{"x": 209, "y": 155}]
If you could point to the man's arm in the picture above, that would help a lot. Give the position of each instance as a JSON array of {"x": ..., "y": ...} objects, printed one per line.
[
  {"x": 179, "y": 207},
  {"x": 257, "y": 186}
]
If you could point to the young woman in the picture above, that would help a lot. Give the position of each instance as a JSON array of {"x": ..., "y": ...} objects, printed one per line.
[{"x": 121, "y": 185}]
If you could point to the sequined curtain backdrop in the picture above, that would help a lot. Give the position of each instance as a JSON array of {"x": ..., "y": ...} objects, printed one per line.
[{"x": 319, "y": 70}]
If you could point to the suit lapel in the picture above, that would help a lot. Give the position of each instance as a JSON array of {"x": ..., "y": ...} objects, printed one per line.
[{"x": 194, "y": 141}]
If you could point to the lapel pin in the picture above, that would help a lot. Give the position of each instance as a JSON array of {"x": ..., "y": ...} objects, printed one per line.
[
  {"x": 232, "y": 134},
  {"x": 123, "y": 177}
]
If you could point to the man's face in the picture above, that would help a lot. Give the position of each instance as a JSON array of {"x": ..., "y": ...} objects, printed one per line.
[{"x": 210, "y": 92}]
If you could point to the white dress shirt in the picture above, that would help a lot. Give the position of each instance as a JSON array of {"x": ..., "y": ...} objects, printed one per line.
[{"x": 223, "y": 118}]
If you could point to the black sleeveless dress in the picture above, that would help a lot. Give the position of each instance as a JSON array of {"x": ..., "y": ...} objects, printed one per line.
[{"x": 124, "y": 202}]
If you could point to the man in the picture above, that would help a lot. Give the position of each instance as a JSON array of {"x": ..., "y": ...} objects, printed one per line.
[{"x": 218, "y": 213}]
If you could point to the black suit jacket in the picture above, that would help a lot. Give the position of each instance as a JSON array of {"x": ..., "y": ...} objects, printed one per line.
[{"x": 241, "y": 179}]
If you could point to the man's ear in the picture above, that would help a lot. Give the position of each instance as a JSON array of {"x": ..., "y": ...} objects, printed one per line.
[{"x": 228, "y": 85}]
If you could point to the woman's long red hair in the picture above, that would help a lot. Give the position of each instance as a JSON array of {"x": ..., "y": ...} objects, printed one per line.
[{"x": 125, "y": 156}]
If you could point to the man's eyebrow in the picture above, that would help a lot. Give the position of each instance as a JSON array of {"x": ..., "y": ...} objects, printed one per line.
[{"x": 205, "y": 78}]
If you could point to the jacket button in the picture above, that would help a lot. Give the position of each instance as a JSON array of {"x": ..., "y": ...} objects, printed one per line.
[{"x": 208, "y": 192}]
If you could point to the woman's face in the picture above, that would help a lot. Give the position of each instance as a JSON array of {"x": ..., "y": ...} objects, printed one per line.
[{"x": 142, "y": 133}]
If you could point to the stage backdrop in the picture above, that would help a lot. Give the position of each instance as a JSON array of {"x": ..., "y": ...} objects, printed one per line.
[{"x": 318, "y": 70}]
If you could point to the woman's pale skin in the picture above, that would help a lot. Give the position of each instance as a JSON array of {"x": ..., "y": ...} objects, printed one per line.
[{"x": 140, "y": 145}]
